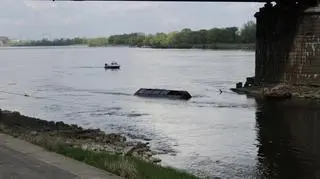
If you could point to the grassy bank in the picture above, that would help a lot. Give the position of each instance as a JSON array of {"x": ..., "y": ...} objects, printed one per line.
[
  {"x": 110, "y": 152},
  {"x": 128, "y": 167}
]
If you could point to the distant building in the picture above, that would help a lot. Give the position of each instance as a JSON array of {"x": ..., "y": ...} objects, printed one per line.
[{"x": 3, "y": 40}]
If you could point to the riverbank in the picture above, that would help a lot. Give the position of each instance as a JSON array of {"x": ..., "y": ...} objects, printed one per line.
[
  {"x": 216, "y": 46},
  {"x": 248, "y": 47},
  {"x": 281, "y": 91},
  {"x": 111, "y": 152}
]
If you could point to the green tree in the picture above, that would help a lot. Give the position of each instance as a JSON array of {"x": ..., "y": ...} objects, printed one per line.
[
  {"x": 248, "y": 32},
  {"x": 98, "y": 42}
]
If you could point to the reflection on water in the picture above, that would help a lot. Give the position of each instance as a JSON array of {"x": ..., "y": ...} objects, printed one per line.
[{"x": 288, "y": 134}]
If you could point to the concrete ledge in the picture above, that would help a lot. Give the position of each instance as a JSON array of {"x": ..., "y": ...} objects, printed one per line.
[
  {"x": 254, "y": 92},
  {"x": 79, "y": 169}
]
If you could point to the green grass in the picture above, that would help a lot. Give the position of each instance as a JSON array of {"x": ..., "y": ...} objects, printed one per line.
[{"x": 128, "y": 167}]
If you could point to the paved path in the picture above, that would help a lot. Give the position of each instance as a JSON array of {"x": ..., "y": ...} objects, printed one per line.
[{"x": 22, "y": 160}]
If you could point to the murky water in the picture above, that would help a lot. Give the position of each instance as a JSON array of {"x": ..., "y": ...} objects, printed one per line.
[{"x": 219, "y": 135}]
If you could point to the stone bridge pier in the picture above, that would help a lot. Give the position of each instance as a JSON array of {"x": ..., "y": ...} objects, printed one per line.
[{"x": 288, "y": 43}]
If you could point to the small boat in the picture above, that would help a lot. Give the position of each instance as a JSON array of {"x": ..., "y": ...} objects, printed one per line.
[
  {"x": 113, "y": 65},
  {"x": 163, "y": 93}
]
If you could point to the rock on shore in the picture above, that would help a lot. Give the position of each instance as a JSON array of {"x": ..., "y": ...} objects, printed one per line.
[
  {"x": 34, "y": 130},
  {"x": 280, "y": 91},
  {"x": 277, "y": 92}
]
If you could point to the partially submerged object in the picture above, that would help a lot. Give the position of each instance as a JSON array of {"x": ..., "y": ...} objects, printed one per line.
[
  {"x": 239, "y": 85},
  {"x": 249, "y": 82},
  {"x": 163, "y": 93},
  {"x": 113, "y": 65}
]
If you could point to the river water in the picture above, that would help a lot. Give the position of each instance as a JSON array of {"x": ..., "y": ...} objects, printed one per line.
[{"x": 218, "y": 135}]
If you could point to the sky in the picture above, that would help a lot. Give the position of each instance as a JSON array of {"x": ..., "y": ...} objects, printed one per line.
[{"x": 37, "y": 19}]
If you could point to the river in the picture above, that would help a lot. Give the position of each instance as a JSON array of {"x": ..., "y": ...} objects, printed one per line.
[{"x": 218, "y": 135}]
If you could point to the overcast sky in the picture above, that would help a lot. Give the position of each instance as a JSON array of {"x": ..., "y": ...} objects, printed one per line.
[{"x": 29, "y": 19}]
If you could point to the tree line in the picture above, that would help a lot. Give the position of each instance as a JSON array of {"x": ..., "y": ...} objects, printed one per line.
[
  {"x": 55, "y": 42},
  {"x": 63, "y": 42},
  {"x": 186, "y": 38}
]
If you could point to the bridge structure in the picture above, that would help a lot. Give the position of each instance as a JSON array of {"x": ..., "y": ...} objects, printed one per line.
[{"x": 287, "y": 41}]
